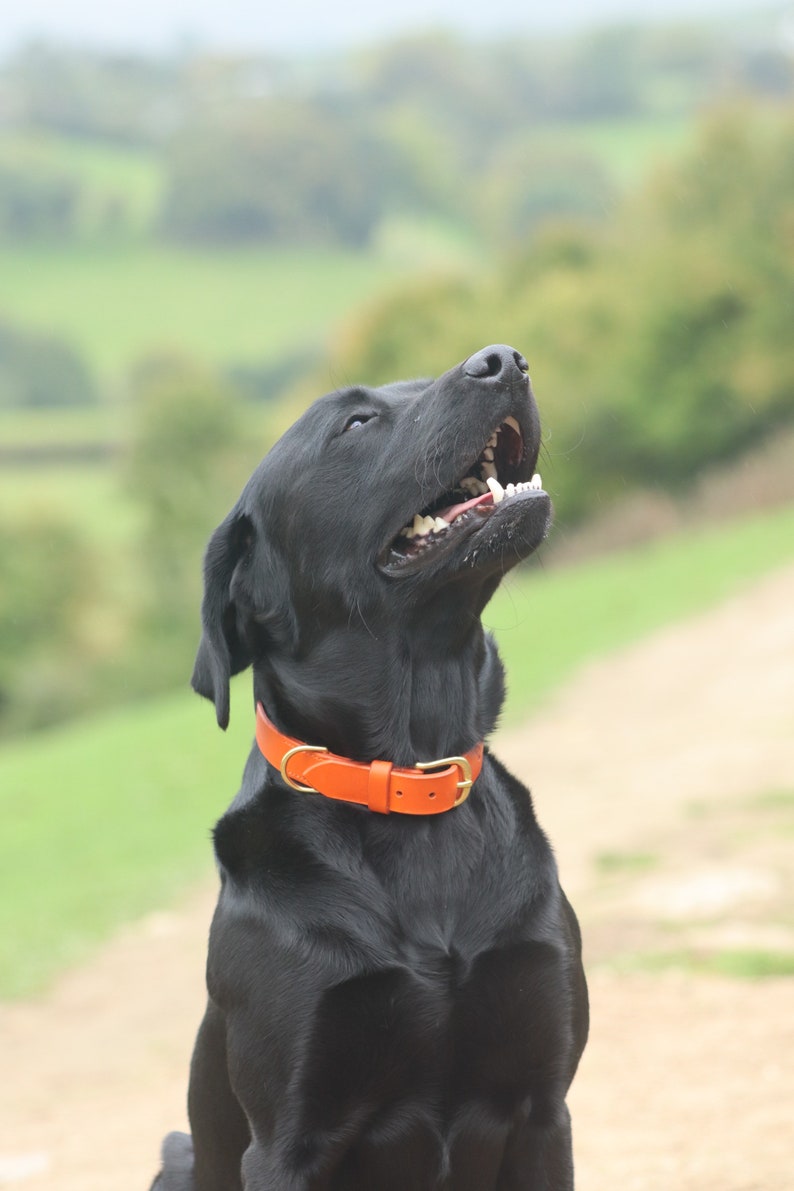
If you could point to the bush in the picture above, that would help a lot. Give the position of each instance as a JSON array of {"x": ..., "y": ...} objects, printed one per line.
[
  {"x": 36, "y": 202},
  {"x": 47, "y": 589},
  {"x": 659, "y": 344},
  {"x": 39, "y": 371}
]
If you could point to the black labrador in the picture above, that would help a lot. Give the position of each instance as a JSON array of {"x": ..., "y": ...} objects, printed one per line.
[{"x": 396, "y": 996}]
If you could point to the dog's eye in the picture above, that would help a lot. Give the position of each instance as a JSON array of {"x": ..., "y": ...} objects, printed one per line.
[{"x": 357, "y": 420}]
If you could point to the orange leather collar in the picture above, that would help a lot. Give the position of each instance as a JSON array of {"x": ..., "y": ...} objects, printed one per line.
[{"x": 429, "y": 789}]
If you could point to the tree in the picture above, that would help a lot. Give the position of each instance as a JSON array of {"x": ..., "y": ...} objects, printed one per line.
[
  {"x": 658, "y": 342},
  {"x": 36, "y": 200},
  {"x": 278, "y": 171},
  {"x": 47, "y": 589},
  {"x": 189, "y": 456}
]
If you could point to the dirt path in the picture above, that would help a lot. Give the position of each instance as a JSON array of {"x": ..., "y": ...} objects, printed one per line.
[{"x": 664, "y": 776}]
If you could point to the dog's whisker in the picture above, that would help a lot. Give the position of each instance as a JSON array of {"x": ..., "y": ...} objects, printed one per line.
[{"x": 363, "y": 620}]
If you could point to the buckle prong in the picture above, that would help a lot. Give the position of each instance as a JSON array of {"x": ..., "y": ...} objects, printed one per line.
[{"x": 465, "y": 769}]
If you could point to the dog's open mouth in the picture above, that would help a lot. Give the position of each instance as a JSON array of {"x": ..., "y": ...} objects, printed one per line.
[{"x": 493, "y": 478}]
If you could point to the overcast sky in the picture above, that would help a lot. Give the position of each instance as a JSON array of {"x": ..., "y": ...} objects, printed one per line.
[{"x": 289, "y": 25}]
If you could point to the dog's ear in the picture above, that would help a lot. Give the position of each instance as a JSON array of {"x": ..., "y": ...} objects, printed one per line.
[{"x": 221, "y": 652}]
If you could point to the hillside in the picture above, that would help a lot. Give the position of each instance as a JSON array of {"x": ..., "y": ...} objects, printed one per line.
[{"x": 665, "y": 777}]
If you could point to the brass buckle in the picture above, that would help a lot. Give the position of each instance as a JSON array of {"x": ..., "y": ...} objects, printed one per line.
[
  {"x": 300, "y": 748},
  {"x": 465, "y": 768}
]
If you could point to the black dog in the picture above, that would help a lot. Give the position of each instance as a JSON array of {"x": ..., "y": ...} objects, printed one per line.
[{"x": 396, "y": 1000}]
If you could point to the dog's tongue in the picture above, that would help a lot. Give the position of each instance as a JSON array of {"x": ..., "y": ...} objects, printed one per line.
[{"x": 454, "y": 511}]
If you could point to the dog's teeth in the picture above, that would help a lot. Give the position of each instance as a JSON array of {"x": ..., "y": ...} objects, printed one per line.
[
  {"x": 472, "y": 485},
  {"x": 493, "y": 440},
  {"x": 420, "y": 527},
  {"x": 513, "y": 423},
  {"x": 496, "y": 488},
  {"x": 423, "y": 525},
  {"x": 488, "y": 454}
]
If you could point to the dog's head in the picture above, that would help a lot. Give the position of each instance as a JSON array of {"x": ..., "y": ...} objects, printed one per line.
[{"x": 376, "y": 509}]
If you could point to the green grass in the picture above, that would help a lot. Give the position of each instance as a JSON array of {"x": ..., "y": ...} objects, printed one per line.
[
  {"x": 106, "y": 819},
  {"x": 775, "y": 801},
  {"x": 548, "y": 624},
  {"x": 90, "y": 495},
  {"x": 735, "y": 963},
  {"x": 61, "y": 427},
  {"x": 90, "y": 498},
  {"x": 115, "y": 304},
  {"x": 619, "y": 863}
]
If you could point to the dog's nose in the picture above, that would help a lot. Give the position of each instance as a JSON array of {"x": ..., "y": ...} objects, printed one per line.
[{"x": 498, "y": 360}]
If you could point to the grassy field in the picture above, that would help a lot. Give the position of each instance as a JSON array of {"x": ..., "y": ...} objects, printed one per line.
[
  {"x": 60, "y": 427},
  {"x": 116, "y": 304},
  {"x": 90, "y": 498},
  {"x": 115, "y": 300},
  {"x": 107, "y": 819},
  {"x": 548, "y": 624},
  {"x": 120, "y": 187},
  {"x": 110, "y": 818}
]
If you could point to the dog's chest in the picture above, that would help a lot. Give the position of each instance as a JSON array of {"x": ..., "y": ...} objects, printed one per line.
[
  {"x": 374, "y": 971},
  {"x": 424, "y": 894},
  {"x": 418, "y": 938}
]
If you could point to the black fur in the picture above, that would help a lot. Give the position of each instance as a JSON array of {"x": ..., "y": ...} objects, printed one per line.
[{"x": 395, "y": 1003}]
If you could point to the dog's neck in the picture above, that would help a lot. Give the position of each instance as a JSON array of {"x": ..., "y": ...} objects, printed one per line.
[{"x": 389, "y": 695}]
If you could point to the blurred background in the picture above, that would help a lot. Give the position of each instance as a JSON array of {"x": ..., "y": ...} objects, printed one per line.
[
  {"x": 202, "y": 227},
  {"x": 209, "y": 215}
]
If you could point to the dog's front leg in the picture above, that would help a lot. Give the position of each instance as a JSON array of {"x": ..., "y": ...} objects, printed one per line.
[
  {"x": 539, "y": 1155},
  {"x": 220, "y": 1128},
  {"x": 177, "y": 1169},
  {"x": 263, "y": 1170}
]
